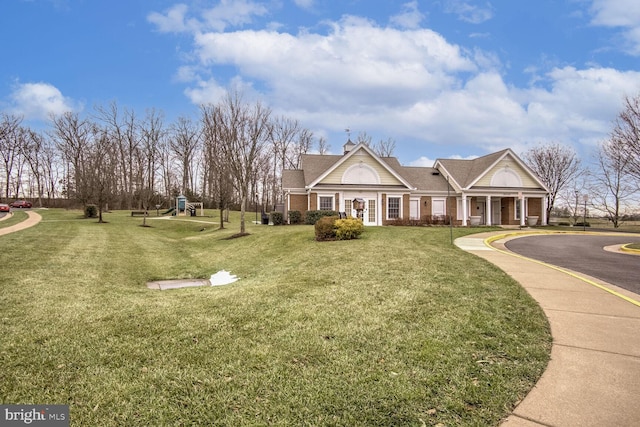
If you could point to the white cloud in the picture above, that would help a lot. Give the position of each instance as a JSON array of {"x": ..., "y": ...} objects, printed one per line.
[
  {"x": 422, "y": 162},
  {"x": 37, "y": 101},
  {"x": 173, "y": 21},
  {"x": 210, "y": 91},
  {"x": 227, "y": 13},
  {"x": 468, "y": 12},
  {"x": 408, "y": 84},
  {"x": 232, "y": 12},
  {"x": 355, "y": 64},
  {"x": 304, "y": 4},
  {"x": 616, "y": 13},
  {"x": 410, "y": 17},
  {"x": 623, "y": 14}
]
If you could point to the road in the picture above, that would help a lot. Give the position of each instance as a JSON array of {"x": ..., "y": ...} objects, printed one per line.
[{"x": 585, "y": 254}]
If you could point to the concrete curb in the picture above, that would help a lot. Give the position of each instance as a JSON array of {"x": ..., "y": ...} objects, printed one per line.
[{"x": 593, "y": 376}]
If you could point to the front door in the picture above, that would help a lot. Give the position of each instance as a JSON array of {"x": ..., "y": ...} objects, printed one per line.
[
  {"x": 496, "y": 214},
  {"x": 370, "y": 212},
  {"x": 369, "y": 215},
  {"x": 481, "y": 211}
]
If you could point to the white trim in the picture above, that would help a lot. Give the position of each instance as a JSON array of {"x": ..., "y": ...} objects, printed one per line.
[
  {"x": 361, "y": 165},
  {"x": 361, "y": 146},
  {"x": 511, "y": 176}
]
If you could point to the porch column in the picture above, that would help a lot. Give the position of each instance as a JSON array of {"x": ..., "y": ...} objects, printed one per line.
[
  {"x": 523, "y": 214},
  {"x": 544, "y": 211},
  {"x": 464, "y": 209},
  {"x": 487, "y": 209}
]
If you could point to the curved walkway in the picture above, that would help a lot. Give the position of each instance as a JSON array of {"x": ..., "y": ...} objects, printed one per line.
[
  {"x": 33, "y": 219},
  {"x": 593, "y": 376}
]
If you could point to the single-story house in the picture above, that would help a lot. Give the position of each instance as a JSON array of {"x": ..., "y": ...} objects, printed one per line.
[{"x": 496, "y": 189}]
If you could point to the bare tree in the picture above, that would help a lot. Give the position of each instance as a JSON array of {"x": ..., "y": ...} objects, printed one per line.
[
  {"x": 72, "y": 136},
  {"x": 626, "y": 132},
  {"x": 151, "y": 133},
  {"x": 323, "y": 146},
  {"x": 217, "y": 174},
  {"x": 365, "y": 138},
  {"x": 613, "y": 187},
  {"x": 33, "y": 151},
  {"x": 283, "y": 134},
  {"x": 123, "y": 132},
  {"x": 302, "y": 146},
  {"x": 10, "y": 134},
  {"x": 556, "y": 165},
  {"x": 184, "y": 141},
  {"x": 50, "y": 163},
  {"x": 385, "y": 147},
  {"x": 103, "y": 159},
  {"x": 245, "y": 131}
]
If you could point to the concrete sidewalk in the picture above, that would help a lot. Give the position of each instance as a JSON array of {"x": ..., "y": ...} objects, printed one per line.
[{"x": 593, "y": 377}]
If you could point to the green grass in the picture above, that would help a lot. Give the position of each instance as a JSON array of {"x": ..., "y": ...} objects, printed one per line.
[
  {"x": 18, "y": 216},
  {"x": 396, "y": 328}
]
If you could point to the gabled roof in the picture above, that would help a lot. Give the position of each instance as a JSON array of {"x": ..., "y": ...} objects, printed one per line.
[
  {"x": 465, "y": 173},
  {"x": 315, "y": 175}
]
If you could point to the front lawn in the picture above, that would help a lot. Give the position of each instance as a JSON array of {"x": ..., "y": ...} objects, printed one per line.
[{"x": 396, "y": 328}]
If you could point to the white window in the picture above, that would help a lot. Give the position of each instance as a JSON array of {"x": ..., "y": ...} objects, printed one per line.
[
  {"x": 438, "y": 207},
  {"x": 414, "y": 209},
  {"x": 393, "y": 208},
  {"x": 325, "y": 203}
]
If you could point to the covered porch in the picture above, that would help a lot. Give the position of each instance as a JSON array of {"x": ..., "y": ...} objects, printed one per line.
[{"x": 518, "y": 208}]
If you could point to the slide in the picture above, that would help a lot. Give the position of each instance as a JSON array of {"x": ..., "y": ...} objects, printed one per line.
[{"x": 168, "y": 211}]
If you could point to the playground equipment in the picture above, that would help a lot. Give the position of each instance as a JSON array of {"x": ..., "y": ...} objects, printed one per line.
[{"x": 184, "y": 207}]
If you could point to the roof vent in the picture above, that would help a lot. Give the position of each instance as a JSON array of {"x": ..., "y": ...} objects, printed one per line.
[{"x": 435, "y": 173}]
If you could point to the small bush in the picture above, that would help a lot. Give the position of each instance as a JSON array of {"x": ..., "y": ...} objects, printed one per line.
[
  {"x": 295, "y": 217},
  {"x": 583, "y": 224},
  {"x": 347, "y": 229},
  {"x": 313, "y": 216},
  {"x": 90, "y": 211},
  {"x": 325, "y": 228},
  {"x": 277, "y": 218}
]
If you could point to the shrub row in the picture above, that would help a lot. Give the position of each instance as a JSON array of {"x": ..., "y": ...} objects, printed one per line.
[
  {"x": 277, "y": 218},
  {"x": 312, "y": 217}
]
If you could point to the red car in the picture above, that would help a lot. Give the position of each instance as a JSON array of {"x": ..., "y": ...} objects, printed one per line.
[
  {"x": 4, "y": 207},
  {"x": 20, "y": 204}
]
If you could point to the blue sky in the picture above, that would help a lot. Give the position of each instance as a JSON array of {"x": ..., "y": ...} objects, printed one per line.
[{"x": 447, "y": 78}]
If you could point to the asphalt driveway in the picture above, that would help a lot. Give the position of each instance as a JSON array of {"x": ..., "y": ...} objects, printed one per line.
[{"x": 585, "y": 254}]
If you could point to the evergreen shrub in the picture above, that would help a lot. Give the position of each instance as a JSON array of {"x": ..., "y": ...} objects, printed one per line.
[
  {"x": 349, "y": 228},
  {"x": 277, "y": 218},
  {"x": 295, "y": 217},
  {"x": 90, "y": 211},
  {"x": 325, "y": 228}
]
